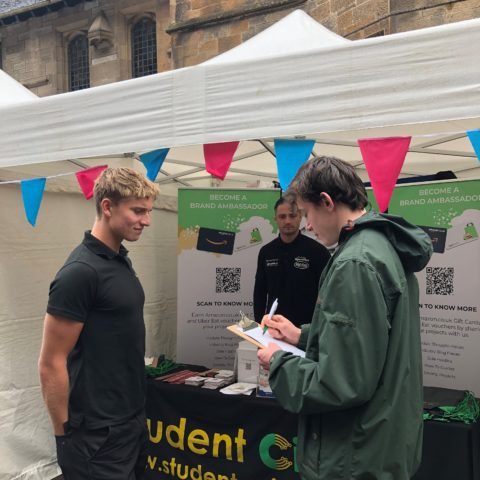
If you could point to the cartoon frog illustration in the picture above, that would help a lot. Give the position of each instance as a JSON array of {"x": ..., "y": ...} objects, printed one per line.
[
  {"x": 470, "y": 231},
  {"x": 255, "y": 236}
]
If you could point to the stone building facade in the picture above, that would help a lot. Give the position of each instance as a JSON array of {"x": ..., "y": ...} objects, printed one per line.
[
  {"x": 44, "y": 41},
  {"x": 35, "y": 45}
]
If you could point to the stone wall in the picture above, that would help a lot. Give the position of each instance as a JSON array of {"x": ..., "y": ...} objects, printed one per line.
[
  {"x": 34, "y": 51},
  {"x": 192, "y": 31},
  {"x": 201, "y": 29},
  {"x": 412, "y": 14}
]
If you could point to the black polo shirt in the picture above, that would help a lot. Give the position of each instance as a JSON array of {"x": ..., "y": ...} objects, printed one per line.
[
  {"x": 106, "y": 368},
  {"x": 289, "y": 272}
]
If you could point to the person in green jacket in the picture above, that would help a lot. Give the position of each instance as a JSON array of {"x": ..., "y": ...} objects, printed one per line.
[{"x": 358, "y": 391}]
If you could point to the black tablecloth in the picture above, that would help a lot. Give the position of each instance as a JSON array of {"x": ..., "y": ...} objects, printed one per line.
[
  {"x": 203, "y": 434},
  {"x": 451, "y": 450},
  {"x": 200, "y": 434}
]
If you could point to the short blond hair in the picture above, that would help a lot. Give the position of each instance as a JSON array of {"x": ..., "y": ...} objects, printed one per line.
[{"x": 122, "y": 183}]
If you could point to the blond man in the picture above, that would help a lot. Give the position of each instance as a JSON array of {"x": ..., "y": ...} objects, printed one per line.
[{"x": 92, "y": 357}]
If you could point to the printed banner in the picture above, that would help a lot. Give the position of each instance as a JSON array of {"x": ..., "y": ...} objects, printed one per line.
[
  {"x": 450, "y": 285},
  {"x": 198, "y": 435},
  {"x": 220, "y": 232}
]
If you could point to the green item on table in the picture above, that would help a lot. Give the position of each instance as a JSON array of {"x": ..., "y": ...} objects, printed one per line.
[
  {"x": 163, "y": 367},
  {"x": 466, "y": 411}
]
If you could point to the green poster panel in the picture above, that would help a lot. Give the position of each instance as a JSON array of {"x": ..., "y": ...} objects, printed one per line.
[
  {"x": 449, "y": 212},
  {"x": 224, "y": 209},
  {"x": 220, "y": 232}
]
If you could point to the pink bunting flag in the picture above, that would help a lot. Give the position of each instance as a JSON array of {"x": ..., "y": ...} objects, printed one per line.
[
  {"x": 86, "y": 179},
  {"x": 383, "y": 158},
  {"x": 218, "y": 157}
]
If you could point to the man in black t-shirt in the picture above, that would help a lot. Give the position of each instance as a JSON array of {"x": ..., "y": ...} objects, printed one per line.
[
  {"x": 289, "y": 269},
  {"x": 91, "y": 365}
]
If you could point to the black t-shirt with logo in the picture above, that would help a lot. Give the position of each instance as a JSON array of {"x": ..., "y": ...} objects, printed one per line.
[
  {"x": 106, "y": 368},
  {"x": 289, "y": 272}
]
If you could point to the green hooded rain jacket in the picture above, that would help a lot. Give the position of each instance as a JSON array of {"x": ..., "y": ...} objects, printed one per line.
[{"x": 358, "y": 391}]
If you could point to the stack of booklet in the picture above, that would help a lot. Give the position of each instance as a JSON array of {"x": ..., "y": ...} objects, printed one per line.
[
  {"x": 214, "y": 383},
  {"x": 212, "y": 379},
  {"x": 195, "y": 381},
  {"x": 227, "y": 375}
]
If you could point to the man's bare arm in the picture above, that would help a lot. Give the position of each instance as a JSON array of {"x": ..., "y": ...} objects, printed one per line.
[{"x": 59, "y": 337}]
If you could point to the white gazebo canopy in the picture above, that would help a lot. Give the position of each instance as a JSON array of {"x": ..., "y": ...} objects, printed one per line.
[{"x": 295, "y": 79}]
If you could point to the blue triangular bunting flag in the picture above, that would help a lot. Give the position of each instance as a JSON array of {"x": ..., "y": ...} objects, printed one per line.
[
  {"x": 474, "y": 137},
  {"x": 291, "y": 154},
  {"x": 32, "y": 193},
  {"x": 153, "y": 162}
]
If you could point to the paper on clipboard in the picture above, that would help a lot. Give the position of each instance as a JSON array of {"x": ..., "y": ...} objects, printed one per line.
[{"x": 257, "y": 338}]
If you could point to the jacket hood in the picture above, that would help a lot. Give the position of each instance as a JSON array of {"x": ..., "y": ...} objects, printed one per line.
[{"x": 412, "y": 244}]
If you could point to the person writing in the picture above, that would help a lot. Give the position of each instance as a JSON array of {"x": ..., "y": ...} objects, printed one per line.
[
  {"x": 358, "y": 391},
  {"x": 91, "y": 365},
  {"x": 288, "y": 268}
]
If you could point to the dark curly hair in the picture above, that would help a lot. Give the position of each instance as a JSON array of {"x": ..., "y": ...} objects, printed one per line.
[{"x": 330, "y": 175}]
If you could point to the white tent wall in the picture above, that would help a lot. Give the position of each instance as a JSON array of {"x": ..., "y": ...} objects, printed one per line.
[
  {"x": 29, "y": 259},
  {"x": 26, "y": 441}
]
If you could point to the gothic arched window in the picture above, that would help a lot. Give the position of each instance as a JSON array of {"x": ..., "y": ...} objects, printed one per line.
[
  {"x": 78, "y": 63},
  {"x": 144, "y": 48}
]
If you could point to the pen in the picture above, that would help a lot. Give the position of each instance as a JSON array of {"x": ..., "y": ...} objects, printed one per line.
[{"x": 273, "y": 309}]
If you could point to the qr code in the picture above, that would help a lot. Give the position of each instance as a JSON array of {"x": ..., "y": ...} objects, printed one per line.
[
  {"x": 228, "y": 280},
  {"x": 440, "y": 280}
]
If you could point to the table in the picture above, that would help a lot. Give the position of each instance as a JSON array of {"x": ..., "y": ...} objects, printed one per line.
[
  {"x": 450, "y": 450},
  {"x": 199, "y": 434}
]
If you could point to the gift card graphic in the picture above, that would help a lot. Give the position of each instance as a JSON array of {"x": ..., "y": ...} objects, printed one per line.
[
  {"x": 248, "y": 238},
  {"x": 438, "y": 236},
  {"x": 461, "y": 234},
  {"x": 216, "y": 241}
]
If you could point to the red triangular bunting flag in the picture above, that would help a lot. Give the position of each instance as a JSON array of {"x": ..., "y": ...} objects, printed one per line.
[
  {"x": 383, "y": 158},
  {"x": 86, "y": 179},
  {"x": 218, "y": 157}
]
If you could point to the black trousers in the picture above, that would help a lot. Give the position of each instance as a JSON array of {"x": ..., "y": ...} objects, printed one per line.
[{"x": 116, "y": 452}]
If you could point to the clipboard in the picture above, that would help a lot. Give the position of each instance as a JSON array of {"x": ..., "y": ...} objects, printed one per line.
[
  {"x": 266, "y": 340},
  {"x": 238, "y": 331}
]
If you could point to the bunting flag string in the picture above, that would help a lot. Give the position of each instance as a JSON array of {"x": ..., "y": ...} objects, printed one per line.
[
  {"x": 383, "y": 158},
  {"x": 474, "y": 137},
  {"x": 153, "y": 162},
  {"x": 11, "y": 182},
  {"x": 291, "y": 155},
  {"x": 32, "y": 190},
  {"x": 218, "y": 157},
  {"x": 86, "y": 179},
  {"x": 32, "y": 194}
]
